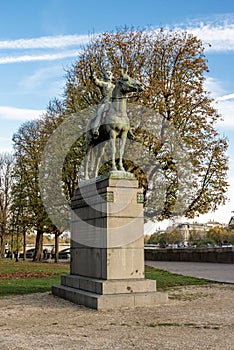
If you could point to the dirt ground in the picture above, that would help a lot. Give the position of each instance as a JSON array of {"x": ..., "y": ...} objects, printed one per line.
[{"x": 194, "y": 318}]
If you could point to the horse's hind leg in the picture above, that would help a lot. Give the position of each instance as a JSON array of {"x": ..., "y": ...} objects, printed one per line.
[
  {"x": 99, "y": 156},
  {"x": 113, "y": 149},
  {"x": 121, "y": 150}
]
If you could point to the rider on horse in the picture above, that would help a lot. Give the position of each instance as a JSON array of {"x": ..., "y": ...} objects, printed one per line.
[
  {"x": 116, "y": 124},
  {"x": 106, "y": 87}
]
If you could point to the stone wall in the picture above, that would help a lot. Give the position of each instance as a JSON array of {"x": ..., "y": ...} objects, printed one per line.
[{"x": 215, "y": 255}]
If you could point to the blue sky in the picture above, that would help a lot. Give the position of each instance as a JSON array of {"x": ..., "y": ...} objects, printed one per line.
[{"x": 40, "y": 38}]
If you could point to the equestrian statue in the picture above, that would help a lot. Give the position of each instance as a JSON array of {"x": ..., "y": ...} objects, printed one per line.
[{"x": 111, "y": 121}]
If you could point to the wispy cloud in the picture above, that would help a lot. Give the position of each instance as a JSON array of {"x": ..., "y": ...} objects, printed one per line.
[
  {"x": 6, "y": 149},
  {"x": 216, "y": 31},
  {"x": 51, "y": 77},
  {"x": 226, "y": 109},
  {"x": 4, "y": 139},
  {"x": 223, "y": 102},
  {"x": 215, "y": 87},
  {"x": 45, "y": 42},
  {"x": 225, "y": 105},
  {"x": 225, "y": 97},
  {"x": 5, "y": 145},
  {"x": 44, "y": 48},
  {"x": 41, "y": 57},
  {"x": 217, "y": 37},
  {"x": 11, "y": 113}
]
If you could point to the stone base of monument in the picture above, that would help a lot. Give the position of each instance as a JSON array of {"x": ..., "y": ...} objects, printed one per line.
[
  {"x": 109, "y": 294},
  {"x": 107, "y": 246}
]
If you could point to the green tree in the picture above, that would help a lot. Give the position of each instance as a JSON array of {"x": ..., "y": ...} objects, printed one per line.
[
  {"x": 174, "y": 236},
  {"x": 162, "y": 240},
  {"x": 153, "y": 239},
  {"x": 217, "y": 234},
  {"x": 34, "y": 200},
  {"x": 58, "y": 175},
  {"x": 167, "y": 237},
  {"x": 158, "y": 238},
  {"x": 231, "y": 236},
  {"x": 146, "y": 239},
  {"x": 28, "y": 147},
  {"x": 195, "y": 236}
]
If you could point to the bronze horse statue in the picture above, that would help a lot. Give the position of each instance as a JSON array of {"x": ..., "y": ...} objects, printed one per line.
[{"x": 115, "y": 124}]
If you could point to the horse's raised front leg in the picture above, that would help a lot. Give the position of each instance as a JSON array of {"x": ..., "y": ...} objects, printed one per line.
[
  {"x": 113, "y": 149},
  {"x": 121, "y": 150}
]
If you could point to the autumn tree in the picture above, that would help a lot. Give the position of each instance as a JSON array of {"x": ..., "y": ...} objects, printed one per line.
[
  {"x": 221, "y": 235},
  {"x": 154, "y": 237},
  {"x": 195, "y": 236},
  {"x": 174, "y": 236},
  {"x": 146, "y": 239},
  {"x": 230, "y": 237},
  {"x": 168, "y": 237},
  {"x": 178, "y": 157}
]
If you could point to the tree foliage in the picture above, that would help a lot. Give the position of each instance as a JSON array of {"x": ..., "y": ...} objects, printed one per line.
[
  {"x": 184, "y": 158},
  {"x": 167, "y": 237},
  {"x": 221, "y": 235},
  {"x": 28, "y": 146},
  {"x": 178, "y": 156}
]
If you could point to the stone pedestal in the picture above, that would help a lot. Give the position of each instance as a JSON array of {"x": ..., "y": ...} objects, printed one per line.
[{"x": 107, "y": 246}]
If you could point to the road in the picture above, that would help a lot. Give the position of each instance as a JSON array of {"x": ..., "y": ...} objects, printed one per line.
[{"x": 212, "y": 271}]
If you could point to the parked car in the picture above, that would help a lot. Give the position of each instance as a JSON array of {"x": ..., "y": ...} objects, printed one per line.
[
  {"x": 29, "y": 254},
  {"x": 65, "y": 253},
  {"x": 151, "y": 246}
]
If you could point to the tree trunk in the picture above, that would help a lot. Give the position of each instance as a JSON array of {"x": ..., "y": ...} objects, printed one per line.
[
  {"x": 2, "y": 245},
  {"x": 24, "y": 233},
  {"x": 38, "y": 255},
  {"x": 56, "y": 256},
  {"x": 12, "y": 244}
]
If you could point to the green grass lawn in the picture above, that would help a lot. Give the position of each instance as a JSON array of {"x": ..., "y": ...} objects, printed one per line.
[
  {"x": 27, "y": 277},
  {"x": 167, "y": 279}
]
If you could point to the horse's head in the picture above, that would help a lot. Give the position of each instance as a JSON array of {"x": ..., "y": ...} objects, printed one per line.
[{"x": 129, "y": 84}]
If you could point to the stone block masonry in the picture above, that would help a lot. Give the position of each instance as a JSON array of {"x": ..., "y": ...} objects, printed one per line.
[{"x": 107, "y": 246}]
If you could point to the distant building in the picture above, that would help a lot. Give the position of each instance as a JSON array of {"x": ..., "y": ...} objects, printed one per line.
[
  {"x": 184, "y": 229},
  {"x": 201, "y": 228},
  {"x": 211, "y": 224},
  {"x": 231, "y": 223}
]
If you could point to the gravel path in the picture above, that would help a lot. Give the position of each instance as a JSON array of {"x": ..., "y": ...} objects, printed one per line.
[{"x": 195, "y": 318}]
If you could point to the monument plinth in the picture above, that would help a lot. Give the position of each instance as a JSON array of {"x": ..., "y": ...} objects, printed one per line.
[{"x": 107, "y": 246}]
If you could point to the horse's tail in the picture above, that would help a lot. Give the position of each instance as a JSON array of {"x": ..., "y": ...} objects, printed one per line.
[{"x": 130, "y": 135}]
